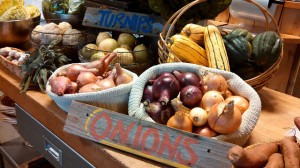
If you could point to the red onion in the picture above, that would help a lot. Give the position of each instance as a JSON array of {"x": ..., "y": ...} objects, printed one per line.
[
  {"x": 191, "y": 96},
  {"x": 160, "y": 114},
  {"x": 164, "y": 74},
  {"x": 187, "y": 78},
  {"x": 148, "y": 95},
  {"x": 165, "y": 88}
]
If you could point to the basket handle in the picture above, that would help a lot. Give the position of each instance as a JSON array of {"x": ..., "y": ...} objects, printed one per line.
[{"x": 174, "y": 18}]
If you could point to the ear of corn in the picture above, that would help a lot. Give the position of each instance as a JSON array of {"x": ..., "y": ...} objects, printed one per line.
[
  {"x": 215, "y": 48},
  {"x": 187, "y": 50}
]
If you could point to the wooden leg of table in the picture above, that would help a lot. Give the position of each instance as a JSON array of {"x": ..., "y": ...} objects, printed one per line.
[{"x": 1, "y": 162}]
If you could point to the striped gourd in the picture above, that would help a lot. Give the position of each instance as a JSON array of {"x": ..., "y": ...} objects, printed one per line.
[
  {"x": 194, "y": 32},
  {"x": 215, "y": 48},
  {"x": 187, "y": 50}
]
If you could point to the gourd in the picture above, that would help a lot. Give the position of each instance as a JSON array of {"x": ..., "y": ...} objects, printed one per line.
[
  {"x": 215, "y": 48},
  {"x": 187, "y": 50},
  {"x": 244, "y": 33},
  {"x": 194, "y": 32},
  {"x": 237, "y": 48},
  {"x": 246, "y": 70},
  {"x": 266, "y": 48}
]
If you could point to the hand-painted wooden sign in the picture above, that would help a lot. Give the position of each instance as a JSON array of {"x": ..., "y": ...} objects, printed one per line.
[
  {"x": 129, "y": 22},
  {"x": 150, "y": 140}
]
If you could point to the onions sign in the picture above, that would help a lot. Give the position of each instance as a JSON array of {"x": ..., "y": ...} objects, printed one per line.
[{"x": 154, "y": 141}]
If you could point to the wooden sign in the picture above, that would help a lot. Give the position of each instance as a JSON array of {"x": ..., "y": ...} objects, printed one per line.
[
  {"x": 129, "y": 22},
  {"x": 150, "y": 140}
]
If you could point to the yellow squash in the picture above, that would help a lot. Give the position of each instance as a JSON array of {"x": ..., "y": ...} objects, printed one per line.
[
  {"x": 215, "y": 48},
  {"x": 187, "y": 50},
  {"x": 194, "y": 32}
]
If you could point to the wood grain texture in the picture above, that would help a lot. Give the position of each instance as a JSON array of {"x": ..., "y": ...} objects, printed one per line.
[
  {"x": 146, "y": 139},
  {"x": 278, "y": 112}
]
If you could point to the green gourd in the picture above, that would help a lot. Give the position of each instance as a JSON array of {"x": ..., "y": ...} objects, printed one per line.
[
  {"x": 246, "y": 70},
  {"x": 244, "y": 33},
  {"x": 266, "y": 48},
  {"x": 238, "y": 49}
]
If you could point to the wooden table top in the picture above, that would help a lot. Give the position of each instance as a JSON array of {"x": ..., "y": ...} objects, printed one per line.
[{"x": 278, "y": 112}]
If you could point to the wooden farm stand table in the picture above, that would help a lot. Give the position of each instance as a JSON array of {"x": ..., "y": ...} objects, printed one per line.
[{"x": 278, "y": 112}]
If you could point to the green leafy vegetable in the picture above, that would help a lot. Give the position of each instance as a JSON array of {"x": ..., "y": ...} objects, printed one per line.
[{"x": 41, "y": 64}]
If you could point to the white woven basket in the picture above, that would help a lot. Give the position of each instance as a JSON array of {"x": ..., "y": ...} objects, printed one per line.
[
  {"x": 115, "y": 99},
  {"x": 236, "y": 84}
]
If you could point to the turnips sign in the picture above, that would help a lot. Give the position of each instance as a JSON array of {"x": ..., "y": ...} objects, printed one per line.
[
  {"x": 150, "y": 140},
  {"x": 123, "y": 21}
]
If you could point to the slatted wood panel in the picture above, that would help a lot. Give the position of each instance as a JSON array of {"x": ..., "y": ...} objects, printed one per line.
[{"x": 146, "y": 139}]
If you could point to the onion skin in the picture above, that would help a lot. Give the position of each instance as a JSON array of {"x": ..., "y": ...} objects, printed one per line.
[
  {"x": 211, "y": 98},
  {"x": 102, "y": 64},
  {"x": 190, "y": 96},
  {"x": 72, "y": 89},
  {"x": 148, "y": 95},
  {"x": 187, "y": 78},
  {"x": 85, "y": 78},
  {"x": 240, "y": 102},
  {"x": 91, "y": 87},
  {"x": 216, "y": 82},
  {"x": 121, "y": 77},
  {"x": 198, "y": 116},
  {"x": 160, "y": 114},
  {"x": 180, "y": 121},
  {"x": 74, "y": 70},
  {"x": 165, "y": 88},
  {"x": 107, "y": 82},
  {"x": 60, "y": 84},
  {"x": 204, "y": 131},
  {"x": 224, "y": 118}
]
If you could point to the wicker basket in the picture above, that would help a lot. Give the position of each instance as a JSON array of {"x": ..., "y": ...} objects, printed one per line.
[
  {"x": 256, "y": 82},
  {"x": 13, "y": 68}
]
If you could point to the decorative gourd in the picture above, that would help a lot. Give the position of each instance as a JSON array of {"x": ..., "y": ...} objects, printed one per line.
[
  {"x": 237, "y": 48},
  {"x": 187, "y": 50},
  {"x": 266, "y": 48},
  {"x": 194, "y": 32},
  {"x": 215, "y": 48},
  {"x": 246, "y": 70},
  {"x": 244, "y": 33}
]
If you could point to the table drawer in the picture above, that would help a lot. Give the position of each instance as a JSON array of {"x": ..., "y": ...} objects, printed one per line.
[{"x": 45, "y": 142}]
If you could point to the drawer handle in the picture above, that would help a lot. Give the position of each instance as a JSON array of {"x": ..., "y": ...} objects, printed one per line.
[{"x": 53, "y": 150}]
